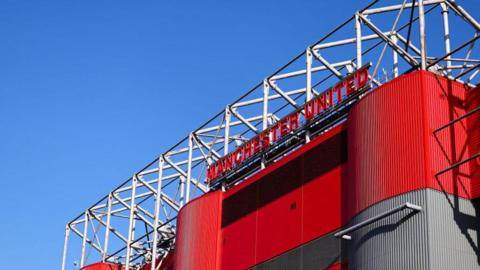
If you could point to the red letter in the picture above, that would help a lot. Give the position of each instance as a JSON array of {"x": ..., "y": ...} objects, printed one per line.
[
  {"x": 228, "y": 163},
  {"x": 309, "y": 111},
  {"x": 255, "y": 145},
  {"x": 220, "y": 167},
  {"x": 329, "y": 95},
  {"x": 265, "y": 140},
  {"x": 273, "y": 131},
  {"x": 283, "y": 128},
  {"x": 338, "y": 88},
  {"x": 361, "y": 78},
  {"x": 246, "y": 150},
  {"x": 349, "y": 85},
  {"x": 322, "y": 102},
  {"x": 210, "y": 172},
  {"x": 235, "y": 158},
  {"x": 293, "y": 121}
]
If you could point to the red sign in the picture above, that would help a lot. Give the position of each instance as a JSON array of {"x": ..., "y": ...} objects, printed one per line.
[{"x": 291, "y": 122}]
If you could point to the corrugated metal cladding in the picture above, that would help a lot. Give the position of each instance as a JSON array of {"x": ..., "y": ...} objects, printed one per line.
[
  {"x": 392, "y": 147},
  {"x": 397, "y": 242},
  {"x": 453, "y": 231},
  {"x": 102, "y": 266},
  {"x": 444, "y": 101},
  {"x": 473, "y": 124},
  {"x": 296, "y": 200},
  {"x": 322, "y": 253},
  {"x": 385, "y": 155},
  {"x": 444, "y": 235},
  {"x": 165, "y": 264},
  {"x": 385, "y": 143},
  {"x": 198, "y": 228}
]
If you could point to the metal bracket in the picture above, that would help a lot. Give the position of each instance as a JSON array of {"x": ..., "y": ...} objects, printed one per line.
[{"x": 344, "y": 233}]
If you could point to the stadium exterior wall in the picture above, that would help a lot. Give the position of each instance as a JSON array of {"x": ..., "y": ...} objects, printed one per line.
[{"x": 389, "y": 152}]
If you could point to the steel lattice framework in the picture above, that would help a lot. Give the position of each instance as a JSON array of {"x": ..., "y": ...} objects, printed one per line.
[{"x": 135, "y": 223}]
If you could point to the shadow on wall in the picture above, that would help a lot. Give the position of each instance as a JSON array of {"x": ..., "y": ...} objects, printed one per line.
[
  {"x": 379, "y": 230},
  {"x": 468, "y": 225}
]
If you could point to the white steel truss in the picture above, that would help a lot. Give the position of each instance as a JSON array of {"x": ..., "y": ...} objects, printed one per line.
[{"x": 135, "y": 223}]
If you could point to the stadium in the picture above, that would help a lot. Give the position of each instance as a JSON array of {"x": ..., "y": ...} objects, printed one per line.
[{"x": 362, "y": 152}]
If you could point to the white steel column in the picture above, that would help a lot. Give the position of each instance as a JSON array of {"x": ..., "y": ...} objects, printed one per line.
[
  {"x": 309, "y": 56},
  {"x": 446, "y": 29},
  {"x": 423, "y": 42},
  {"x": 226, "y": 141},
  {"x": 266, "y": 92},
  {"x": 395, "y": 56},
  {"x": 308, "y": 96},
  {"x": 358, "y": 31},
  {"x": 158, "y": 199},
  {"x": 84, "y": 239},
  {"x": 107, "y": 227},
  {"x": 65, "y": 247},
  {"x": 131, "y": 223},
  {"x": 189, "y": 168}
]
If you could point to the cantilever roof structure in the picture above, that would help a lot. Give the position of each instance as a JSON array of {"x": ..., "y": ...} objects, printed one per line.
[{"x": 135, "y": 223}]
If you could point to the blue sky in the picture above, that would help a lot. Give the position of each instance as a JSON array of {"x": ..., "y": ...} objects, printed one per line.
[{"x": 91, "y": 91}]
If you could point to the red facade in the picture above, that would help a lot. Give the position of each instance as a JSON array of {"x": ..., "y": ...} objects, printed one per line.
[
  {"x": 296, "y": 206},
  {"x": 102, "y": 266},
  {"x": 300, "y": 194},
  {"x": 388, "y": 146},
  {"x": 393, "y": 128},
  {"x": 198, "y": 227},
  {"x": 473, "y": 125},
  {"x": 399, "y": 138}
]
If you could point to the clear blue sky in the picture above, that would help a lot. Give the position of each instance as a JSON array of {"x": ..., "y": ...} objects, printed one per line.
[{"x": 90, "y": 91}]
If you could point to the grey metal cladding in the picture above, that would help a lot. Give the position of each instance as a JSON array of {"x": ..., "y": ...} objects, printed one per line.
[
  {"x": 444, "y": 235},
  {"x": 454, "y": 229},
  {"x": 396, "y": 242},
  {"x": 316, "y": 254}
]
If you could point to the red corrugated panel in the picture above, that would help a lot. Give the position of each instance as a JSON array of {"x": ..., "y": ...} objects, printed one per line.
[
  {"x": 445, "y": 101},
  {"x": 239, "y": 223},
  {"x": 198, "y": 232},
  {"x": 392, "y": 146},
  {"x": 289, "y": 203},
  {"x": 279, "y": 223},
  {"x": 473, "y": 124},
  {"x": 324, "y": 174},
  {"x": 385, "y": 143},
  {"x": 102, "y": 266}
]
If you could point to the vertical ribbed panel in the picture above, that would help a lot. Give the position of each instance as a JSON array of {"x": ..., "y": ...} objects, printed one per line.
[
  {"x": 396, "y": 242},
  {"x": 445, "y": 101},
  {"x": 392, "y": 146},
  {"x": 385, "y": 143},
  {"x": 444, "y": 235},
  {"x": 324, "y": 252},
  {"x": 102, "y": 266},
  {"x": 454, "y": 228},
  {"x": 293, "y": 201},
  {"x": 198, "y": 228},
  {"x": 473, "y": 125}
]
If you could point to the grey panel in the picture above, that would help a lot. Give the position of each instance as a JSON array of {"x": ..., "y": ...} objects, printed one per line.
[
  {"x": 396, "y": 242},
  {"x": 322, "y": 253},
  {"x": 444, "y": 235},
  {"x": 317, "y": 254},
  {"x": 453, "y": 232}
]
